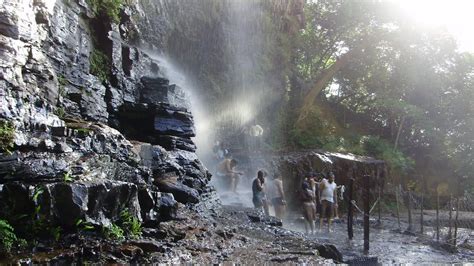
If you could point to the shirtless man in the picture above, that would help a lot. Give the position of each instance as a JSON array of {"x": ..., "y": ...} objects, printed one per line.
[
  {"x": 307, "y": 195},
  {"x": 226, "y": 170},
  {"x": 259, "y": 198},
  {"x": 328, "y": 196},
  {"x": 278, "y": 201}
]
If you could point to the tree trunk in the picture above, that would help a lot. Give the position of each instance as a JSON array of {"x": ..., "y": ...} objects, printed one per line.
[
  {"x": 398, "y": 133},
  {"x": 324, "y": 79}
]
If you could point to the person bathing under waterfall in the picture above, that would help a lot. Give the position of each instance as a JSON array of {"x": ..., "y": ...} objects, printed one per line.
[
  {"x": 259, "y": 198},
  {"x": 328, "y": 198},
  {"x": 278, "y": 199},
  {"x": 225, "y": 170},
  {"x": 307, "y": 196}
]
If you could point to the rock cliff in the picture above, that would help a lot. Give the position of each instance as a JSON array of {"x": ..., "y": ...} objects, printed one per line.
[{"x": 95, "y": 126}]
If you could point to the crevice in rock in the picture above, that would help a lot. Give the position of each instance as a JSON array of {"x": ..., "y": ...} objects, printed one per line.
[
  {"x": 100, "y": 27},
  {"x": 127, "y": 63}
]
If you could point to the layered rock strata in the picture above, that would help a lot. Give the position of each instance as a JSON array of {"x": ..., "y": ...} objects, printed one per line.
[{"x": 88, "y": 146}]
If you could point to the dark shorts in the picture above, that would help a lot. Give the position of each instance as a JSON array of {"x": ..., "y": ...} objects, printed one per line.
[
  {"x": 258, "y": 200},
  {"x": 327, "y": 208}
]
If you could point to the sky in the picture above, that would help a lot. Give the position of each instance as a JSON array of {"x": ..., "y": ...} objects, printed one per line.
[{"x": 455, "y": 15}]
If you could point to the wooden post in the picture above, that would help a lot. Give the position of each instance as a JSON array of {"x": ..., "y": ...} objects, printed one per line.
[
  {"x": 366, "y": 213},
  {"x": 421, "y": 213},
  {"x": 379, "y": 207},
  {"x": 350, "y": 230},
  {"x": 456, "y": 223},
  {"x": 410, "y": 222},
  {"x": 437, "y": 215},
  {"x": 397, "y": 191},
  {"x": 450, "y": 233}
]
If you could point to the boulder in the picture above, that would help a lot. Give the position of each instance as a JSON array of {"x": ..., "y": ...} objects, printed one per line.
[{"x": 181, "y": 192}]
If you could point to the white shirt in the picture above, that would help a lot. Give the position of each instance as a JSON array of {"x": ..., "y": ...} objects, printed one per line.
[{"x": 328, "y": 191}]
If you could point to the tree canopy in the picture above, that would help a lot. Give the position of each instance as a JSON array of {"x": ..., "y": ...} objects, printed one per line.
[{"x": 367, "y": 80}]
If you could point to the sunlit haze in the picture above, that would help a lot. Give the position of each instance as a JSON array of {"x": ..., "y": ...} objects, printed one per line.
[{"x": 455, "y": 15}]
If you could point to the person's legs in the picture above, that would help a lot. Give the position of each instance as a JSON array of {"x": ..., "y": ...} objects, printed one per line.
[
  {"x": 307, "y": 217},
  {"x": 234, "y": 182},
  {"x": 266, "y": 208},
  {"x": 321, "y": 215},
  {"x": 330, "y": 214},
  {"x": 276, "y": 202}
]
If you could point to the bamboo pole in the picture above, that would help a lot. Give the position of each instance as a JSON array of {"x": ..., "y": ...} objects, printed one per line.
[
  {"x": 379, "y": 208},
  {"x": 366, "y": 214},
  {"x": 350, "y": 230},
  {"x": 421, "y": 213},
  {"x": 456, "y": 223},
  {"x": 437, "y": 215},
  {"x": 410, "y": 222},
  {"x": 450, "y": 233},
  {"x": 397, "y": 191}
]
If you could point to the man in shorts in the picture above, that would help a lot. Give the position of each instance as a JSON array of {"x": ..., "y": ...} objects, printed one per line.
[
  {"x": 328, "y": 196},
  {"x": 278, "y": 201},
  {"x": 259, "y": 198},
  {"x": 226, "y": 170}
]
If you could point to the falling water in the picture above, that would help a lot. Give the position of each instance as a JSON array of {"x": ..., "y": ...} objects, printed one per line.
[
  {"x": 231, "y": 117},
  {"x": 202, "y": 120},
  {"x": 244, "y": 43}
]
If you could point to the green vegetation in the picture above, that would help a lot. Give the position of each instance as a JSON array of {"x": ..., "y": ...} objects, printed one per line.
[
  {"x": 7, "y": 134},
  {"x": 8, "y": 237},
  {"x": 372, "y": 84},
  {"x": 67, "y": 177},
  {"x": 62, "y": 84},
  {"x": 60, "y": 112},
  {"x": 127, "y": 225},
  {"x": 113, "y": 232},
  {"x": 82, "y": 225},
  {"x": 99, "y": 65},
  {"x": 108, "y": 8},
  {"x": 130, "y": 224}
]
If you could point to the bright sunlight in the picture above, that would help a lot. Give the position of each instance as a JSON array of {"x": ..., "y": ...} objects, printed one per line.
[{"x": 456, "y": 16}]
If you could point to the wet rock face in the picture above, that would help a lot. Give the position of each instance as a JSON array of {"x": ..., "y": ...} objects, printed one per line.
[{"x": 87, "y": 147}]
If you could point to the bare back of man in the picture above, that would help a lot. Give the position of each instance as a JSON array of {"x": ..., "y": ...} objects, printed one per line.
[
  {"x": 278, "y": 202},
  {"x": 226, "y": 170}
]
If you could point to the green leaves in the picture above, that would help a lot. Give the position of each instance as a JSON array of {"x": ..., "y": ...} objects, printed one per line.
[
  {"x": 109, "y": 8},
  {"x": 130, "y": 224},
  {"x": 67, "y": 177},
  {"x": 99, "y": 65},
  {"x": 7, "y": 134},
  {"x": 7, "y": 236}
]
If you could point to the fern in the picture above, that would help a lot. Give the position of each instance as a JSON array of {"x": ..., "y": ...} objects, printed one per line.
[{"x": 7, "y": 236}]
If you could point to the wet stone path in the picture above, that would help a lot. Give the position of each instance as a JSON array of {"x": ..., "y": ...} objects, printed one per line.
[{"x": 387, "y": 244}]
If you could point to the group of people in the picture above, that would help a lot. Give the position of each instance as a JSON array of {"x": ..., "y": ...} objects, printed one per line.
[
  {"x": 275, "y": 189},
  {"x": 318, "y": 193},
  {"x": 260, "y": 190},
  {"x": 319, "y": 196}
]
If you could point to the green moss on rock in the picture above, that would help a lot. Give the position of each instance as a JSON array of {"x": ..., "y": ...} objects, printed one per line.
[{"x": 109, "y": 8}]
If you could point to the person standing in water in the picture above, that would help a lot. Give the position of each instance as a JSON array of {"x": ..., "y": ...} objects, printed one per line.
[
  {"x": 328, "y": 198},
  {"x": 278, "y": 201},
  {"x": 307, "y": 195},
  {"x": 226, "y": 170},
  {"x": 259, "y": 198}
]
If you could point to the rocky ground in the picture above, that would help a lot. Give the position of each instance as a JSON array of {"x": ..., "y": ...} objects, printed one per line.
[{"x": 206, "y": 233}]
